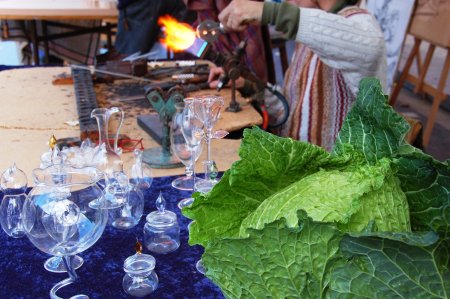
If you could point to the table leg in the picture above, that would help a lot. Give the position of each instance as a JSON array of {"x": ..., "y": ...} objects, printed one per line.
[
  {"x": 423, "y": 71},
  {"x": 109, "y": 36},
  {"x": 438, "y": 97},
  {"x": 409, "y": 61},
  {"x": 34, "y": 42},
  {"x": 46, "y": 49}
]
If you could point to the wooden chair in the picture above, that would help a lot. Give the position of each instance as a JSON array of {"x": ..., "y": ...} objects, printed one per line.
[{"x": 437, "y": 33}]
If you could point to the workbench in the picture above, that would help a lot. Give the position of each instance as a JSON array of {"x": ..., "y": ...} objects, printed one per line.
[{"x": 32, "y": 109}]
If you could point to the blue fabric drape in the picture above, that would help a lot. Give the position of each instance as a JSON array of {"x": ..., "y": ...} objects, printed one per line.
[{"x": 22, "y": 274}]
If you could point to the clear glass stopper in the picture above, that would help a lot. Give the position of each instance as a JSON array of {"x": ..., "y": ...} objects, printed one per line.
[{"x": 160, "y": 203}]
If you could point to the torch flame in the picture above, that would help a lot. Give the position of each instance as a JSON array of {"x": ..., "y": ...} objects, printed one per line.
[{"x": 179, "y": 36}]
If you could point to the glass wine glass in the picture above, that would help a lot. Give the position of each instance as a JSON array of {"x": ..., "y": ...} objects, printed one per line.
[
  {"x": 183, "y": 151},
  {"x": 192, "y": 132},
  {"x": 207, "y": 110},
  {"x": 192, "y": 129}
]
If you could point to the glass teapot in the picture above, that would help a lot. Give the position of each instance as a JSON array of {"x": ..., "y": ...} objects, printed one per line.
[{"x": 57, "y": 217}]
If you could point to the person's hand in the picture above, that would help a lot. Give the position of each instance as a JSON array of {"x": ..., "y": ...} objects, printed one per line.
[
  {"x": 214, "y": 75},
  {"x": 240, "y": 13}
]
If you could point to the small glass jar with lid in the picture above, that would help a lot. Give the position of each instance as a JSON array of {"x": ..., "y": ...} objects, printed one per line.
[
  {"x": 161, "y": 232},
  {"x": 140, "y": 278}
]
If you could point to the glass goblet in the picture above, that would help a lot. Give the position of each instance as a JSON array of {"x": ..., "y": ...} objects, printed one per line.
[
  {"x": 182, "y": 150},
  {"x": 58, "y": 219},
  {"x": 207, "y": 110},
  {"x": 192, "y": 131}
]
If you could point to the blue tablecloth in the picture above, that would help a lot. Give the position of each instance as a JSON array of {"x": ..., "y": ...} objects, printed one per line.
[{"x": 22, "y": 274}]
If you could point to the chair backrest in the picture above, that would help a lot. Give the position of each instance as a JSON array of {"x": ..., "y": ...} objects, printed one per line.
[{"x": 393, "y": 17}]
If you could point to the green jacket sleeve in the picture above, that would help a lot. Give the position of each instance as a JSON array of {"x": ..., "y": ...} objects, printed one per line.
[{"x": 285, "y": 17}]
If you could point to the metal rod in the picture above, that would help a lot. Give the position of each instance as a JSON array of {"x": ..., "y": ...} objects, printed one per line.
[{"x": 92, "y": 68}]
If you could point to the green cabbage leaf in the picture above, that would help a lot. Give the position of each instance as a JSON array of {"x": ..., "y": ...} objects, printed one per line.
[{"x": 290, "y": 220}]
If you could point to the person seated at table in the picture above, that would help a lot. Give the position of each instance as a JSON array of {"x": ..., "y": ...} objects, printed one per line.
[{"x": 338, "y": 44}]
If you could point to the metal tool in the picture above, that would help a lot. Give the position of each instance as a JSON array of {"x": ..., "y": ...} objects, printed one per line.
[
  {"x": 233, "y": 69},
  {"x": 86, "y": 102},
  {"x": 209, "y": 30},
  {"x": 115, "y": 74},
  {"x": 164, "y": 103},
  {"x": 138, "y": 55}
]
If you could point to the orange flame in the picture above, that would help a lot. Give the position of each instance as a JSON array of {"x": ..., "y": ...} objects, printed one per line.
[{"x": 179, "y": 36}]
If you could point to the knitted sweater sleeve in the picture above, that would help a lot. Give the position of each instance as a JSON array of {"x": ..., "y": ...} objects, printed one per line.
[{"x": 354, "y": 44}]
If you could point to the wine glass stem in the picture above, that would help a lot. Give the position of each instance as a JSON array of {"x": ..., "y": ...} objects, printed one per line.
[
  {"x": 192, "y": 167},
  {"x": 188, "y": 171},
  {"x": 72, "y": 278},
  {"x": 208, "y": 143},
  {"x": 69, "y": 267}
]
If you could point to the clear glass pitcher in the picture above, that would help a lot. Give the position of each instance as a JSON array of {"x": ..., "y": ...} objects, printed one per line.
[
  {"x": 109, "y": 162},
  {"x": 106, "y": 158}
]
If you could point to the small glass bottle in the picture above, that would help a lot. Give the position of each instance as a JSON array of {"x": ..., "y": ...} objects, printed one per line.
[
  {"x": 140, "y": 173},
  {"x": 13, "y": 184},
  {"x": 128, "y": 215},
  {"x": 140, "y": 278},
  {"x": 161, "y": 232}
]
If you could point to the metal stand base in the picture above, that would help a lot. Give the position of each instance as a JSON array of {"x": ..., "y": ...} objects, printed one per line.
[{"x": 234, "y": 107}]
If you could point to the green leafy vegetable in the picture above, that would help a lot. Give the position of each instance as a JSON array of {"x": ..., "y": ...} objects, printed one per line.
[
  {"x": 350, "y": 198},
  {"x": 372, "y": 126},
  {"x": 290, "y": 220},
  {"x": 278, "y": 163},
  {"x": 388, "y": 268},
  {"x": 276, "y": 262},
  {"x": 426, "y": 183}
]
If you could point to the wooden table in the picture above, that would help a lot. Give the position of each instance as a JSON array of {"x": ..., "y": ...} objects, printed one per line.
[
  {"x": 59, "y": 10},
  {"x": 32, "y": 109}
]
